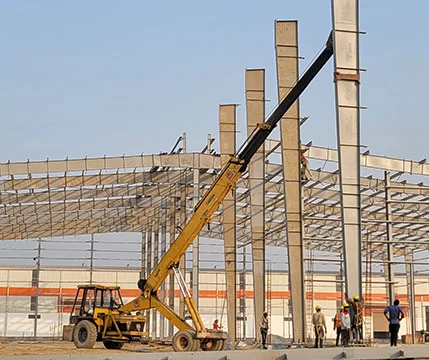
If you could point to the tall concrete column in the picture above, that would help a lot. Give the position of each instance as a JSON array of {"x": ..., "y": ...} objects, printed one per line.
[
  {"x": 390, "y": 274},
  {"x": 196, "y": 243},
  {"x": 287, "y": 76},
  {"x": 255, "y": 111},
  {"x": 227, "y": 129},
  {"x": 347, "y": 80}
]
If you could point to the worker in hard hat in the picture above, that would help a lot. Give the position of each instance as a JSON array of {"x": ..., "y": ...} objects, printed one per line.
[
  {"x": 352, "y": 313},
  {"x": 337, "y": 324},
  {"x": 345, "y": 325},
  {"x": 358, "y": 318},
  {"x": 263, "y": 324},
  {"x": 319, "y": 323}
]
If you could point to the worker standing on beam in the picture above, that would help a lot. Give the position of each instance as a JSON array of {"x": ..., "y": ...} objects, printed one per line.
[{"x": 319, "y": 323}]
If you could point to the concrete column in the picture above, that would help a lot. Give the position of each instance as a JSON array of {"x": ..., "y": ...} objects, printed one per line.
[
  {"x": 255, "y": 111},
  {"x": 287, "y": 76},
  {"x": 409, "y": 257},
  {"x": 163, "y": 251},
  {"x": 196, "y": 244},
  {"x": 227, "y": 129},
  {"x": 390, "y": 274},
  {"x": 347, "y": 81}
]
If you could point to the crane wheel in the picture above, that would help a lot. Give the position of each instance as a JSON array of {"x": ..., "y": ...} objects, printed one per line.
[
  {"x": 108, "y": 344},
  {"x": 213, "y": 345},
  {"x": 184, "y": 340},
  {"x": 84, "y": 335}
]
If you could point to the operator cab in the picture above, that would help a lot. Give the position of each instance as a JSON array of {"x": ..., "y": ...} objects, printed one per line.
[{"x": 91, "y": 297}]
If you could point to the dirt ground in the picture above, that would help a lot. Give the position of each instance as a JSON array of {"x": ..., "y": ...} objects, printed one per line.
[{"x": 65, "y": 347}]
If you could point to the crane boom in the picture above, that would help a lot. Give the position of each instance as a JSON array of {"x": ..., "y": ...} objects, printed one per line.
[
  {"x": 203, "y": 211},
  {"x": 229, "y": 176}
]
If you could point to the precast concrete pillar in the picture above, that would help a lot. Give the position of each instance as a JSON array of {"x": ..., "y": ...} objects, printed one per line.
[
  {"x": 287, "y": 76},
  {"x": 143, "y": 256},
  {"x": 155, "y": 262},
  {"x": 255, "y": 111},
  {"x": 227, "y": 130},
  {"x": 345, "y": 14}
]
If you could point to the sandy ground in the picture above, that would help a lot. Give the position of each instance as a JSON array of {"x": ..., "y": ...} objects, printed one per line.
[{"x": 65, "y": 347}]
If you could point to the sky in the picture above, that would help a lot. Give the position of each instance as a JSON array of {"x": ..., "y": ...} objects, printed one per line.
[{"x": 94, "y": 78}]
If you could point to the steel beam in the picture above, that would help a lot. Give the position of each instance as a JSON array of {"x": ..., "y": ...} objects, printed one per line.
[
  {"x": 255, "y": 110},
  {"x": 227, "y": 130},
  {"x": 347, "y": 80},
  {"x": 287, "y": 76}
]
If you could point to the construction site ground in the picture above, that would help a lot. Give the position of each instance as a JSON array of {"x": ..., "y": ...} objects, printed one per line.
[{"x": 67, "y": 347}]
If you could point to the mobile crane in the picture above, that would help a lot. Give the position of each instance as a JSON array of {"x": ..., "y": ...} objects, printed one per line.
[{"x": 114, "y": 323}]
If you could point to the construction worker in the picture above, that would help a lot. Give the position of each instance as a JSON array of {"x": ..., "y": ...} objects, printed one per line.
[
  {"x": 216, "y": 325},
  {"x": 305, "y": 168},
  {"x": 263, "y": 324},
  {"x": 359, "y": 318},
  {"x": 345, "y": 325},
  {"x": 352, "y": 313},
  {"x": 337, "y": 324},
  {"x": 395, "y": 316},
  {"x": 319, "y": 323}
]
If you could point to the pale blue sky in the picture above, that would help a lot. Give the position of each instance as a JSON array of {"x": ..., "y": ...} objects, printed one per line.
[{"x": 111, "y": 77}]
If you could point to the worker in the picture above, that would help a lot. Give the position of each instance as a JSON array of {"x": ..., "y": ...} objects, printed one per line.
[
  {"x": 337, "y": 324},
  {"x": 345, "y": 325},
  {"x": 216, "y": 325},
  {"x": 319, "y": 323},
  {"x": 305, "y": 168},
  {"x": 359, "y": 318},
  {"x": 395, "y": 316},
  {"x": 352, "y": 313},
  {"x": 263, "y": 324}
]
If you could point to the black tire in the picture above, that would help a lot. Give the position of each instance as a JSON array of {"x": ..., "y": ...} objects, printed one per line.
[
  {"x": 108, "y": 344},
  {"x": 84, "y": 335},
  {"x": 208, "y": 345},
  {"x": 183, "y": 340},
  {"x": 219, "y": 345}
]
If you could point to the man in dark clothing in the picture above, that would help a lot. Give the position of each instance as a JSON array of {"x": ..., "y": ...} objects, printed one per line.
[
  {"x": 395, "y": 316},
  {"x": 263, "y": 324}
]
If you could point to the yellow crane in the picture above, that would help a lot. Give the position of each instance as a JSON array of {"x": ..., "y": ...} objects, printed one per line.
[{"x": 98, "y": 313}]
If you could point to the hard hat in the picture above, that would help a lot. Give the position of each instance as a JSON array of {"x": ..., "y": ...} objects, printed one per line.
[
  {"x": 356, "y": 298},
  {"x": 318, "y": 307},
  {"x": 345, "y": 305},
  {"x": 264, "y": 313},
  {"x": 341, "y": 307}
]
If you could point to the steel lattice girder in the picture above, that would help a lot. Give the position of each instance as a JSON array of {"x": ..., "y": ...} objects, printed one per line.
[{"x": 97, "y": 200}]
